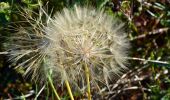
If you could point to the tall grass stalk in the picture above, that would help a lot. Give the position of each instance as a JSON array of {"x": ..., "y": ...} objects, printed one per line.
[
  {"x": 69, "y": 89},
  {"x": 53, "y": 88},
  {"x": 88, "y": 81}
]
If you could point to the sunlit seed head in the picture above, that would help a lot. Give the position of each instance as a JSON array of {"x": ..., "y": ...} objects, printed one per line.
[
  {"x": 73, "y": 38},
  {"x": 82, "y": 36}
]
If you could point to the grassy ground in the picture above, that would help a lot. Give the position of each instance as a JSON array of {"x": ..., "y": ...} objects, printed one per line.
[{"x": 148, "y": 23}]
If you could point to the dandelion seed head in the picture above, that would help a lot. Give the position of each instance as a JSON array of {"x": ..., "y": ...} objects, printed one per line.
[
  {"x": 82, "y": 36},
  {"x": 73, "y": 38}
]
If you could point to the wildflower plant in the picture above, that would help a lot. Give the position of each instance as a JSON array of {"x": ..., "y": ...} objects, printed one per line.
[{"x": 80, "y": 46}]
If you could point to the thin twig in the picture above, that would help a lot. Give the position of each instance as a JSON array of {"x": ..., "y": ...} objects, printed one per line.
[
  {"x": 146, "y": 60},
  {"x": 158, "y": 31},
  {"x": 126, "y": 89},
  {"x": 142, "y": 89},
  {"x": 23, "y": 96},
  {"x": 3, "y": 53},
  {"x": 39, "y": 92},
  {"x": 130, "y": 72}
]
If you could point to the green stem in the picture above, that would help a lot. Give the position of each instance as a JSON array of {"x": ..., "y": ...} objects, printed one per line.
[
  {"x": 69, "y": 89},
  {"x": 88, "y": 81},
  {"x": 55, "y": 92}
]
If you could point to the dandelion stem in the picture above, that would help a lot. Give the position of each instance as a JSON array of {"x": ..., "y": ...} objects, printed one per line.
[
  {"x": 69, "y": 90},
  {"x": 55, "y": 92},
  {"x": 88, "y": 81}
]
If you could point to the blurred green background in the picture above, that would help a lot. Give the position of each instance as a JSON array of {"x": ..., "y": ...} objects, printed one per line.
[{"x": 147, "y": 24}]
